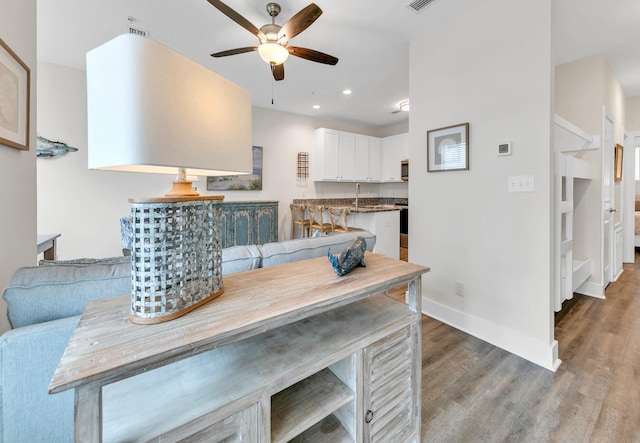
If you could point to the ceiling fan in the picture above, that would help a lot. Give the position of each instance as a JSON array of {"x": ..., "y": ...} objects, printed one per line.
[{"x": 274, "y": 39}]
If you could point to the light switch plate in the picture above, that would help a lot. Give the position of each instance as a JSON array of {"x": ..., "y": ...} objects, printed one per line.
[{"x": 520, "y": 183}]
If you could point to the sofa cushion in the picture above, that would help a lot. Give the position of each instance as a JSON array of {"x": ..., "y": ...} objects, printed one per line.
[
  {"x": 240, "y": 258},
  {"x": 305, "y": 248},
  {"x": 43, "y": 293},
  {"x": 28, "y": 359}
]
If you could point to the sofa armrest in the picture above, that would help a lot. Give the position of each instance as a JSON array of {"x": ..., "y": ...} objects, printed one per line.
[
  {"x": 28, "y": 359},
  {"x": 44, "y": 293}
]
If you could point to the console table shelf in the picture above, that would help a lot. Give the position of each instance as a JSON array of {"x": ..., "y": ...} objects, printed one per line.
[
  {"x": 248, "y": 360},
  {"x": 306, "y": 403}
]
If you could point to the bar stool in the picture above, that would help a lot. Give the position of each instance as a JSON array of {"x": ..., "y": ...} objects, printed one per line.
[
  {"x": 298, "y": 220},
  {"x": 316, "y": 219},
  {"x": 340, "y": 219}
]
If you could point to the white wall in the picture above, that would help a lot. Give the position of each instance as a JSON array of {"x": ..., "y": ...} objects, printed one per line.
[
  {"x": 85, "y": 206},
  {"x": 18, "y": 178},
  {"x": 491, "y": 67},
  {"x": 633, "y": 114}
]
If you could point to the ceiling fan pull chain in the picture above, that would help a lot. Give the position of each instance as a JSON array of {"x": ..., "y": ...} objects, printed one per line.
[{"x": 272, "y": 82}]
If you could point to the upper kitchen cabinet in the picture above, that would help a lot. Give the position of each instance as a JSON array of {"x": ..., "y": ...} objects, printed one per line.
[
  {"x": 368, "y": 158},
  {"x": 327, "y": 154},
  {"x": 394, "y": 149},
  {"x": 347, "y": 156},
  {"x": 344, "y": 156}
]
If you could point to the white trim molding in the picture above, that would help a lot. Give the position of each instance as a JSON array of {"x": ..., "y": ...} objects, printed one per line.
[{"x": 542, "y": 354}]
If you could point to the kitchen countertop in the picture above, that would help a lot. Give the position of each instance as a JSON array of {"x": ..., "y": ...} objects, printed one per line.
[
  {"x": 366, "y": 204},
  {"x": 375, "y": 208}
]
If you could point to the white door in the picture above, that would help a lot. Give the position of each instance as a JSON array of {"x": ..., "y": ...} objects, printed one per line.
[{"x": 607, "y": 197}]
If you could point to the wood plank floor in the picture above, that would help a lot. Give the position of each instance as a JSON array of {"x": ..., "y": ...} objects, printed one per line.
[{"x": 475, "y": 392}]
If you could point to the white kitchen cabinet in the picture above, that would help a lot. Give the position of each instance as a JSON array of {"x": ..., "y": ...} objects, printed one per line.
[
  {"x": 345, "y": 156},
  {"x": 375, "y": 158},
  {"x": 326, "y": 154},
  {"x": 347, "y": 161},
  {"x": 368, "y": 158},
  {"x": 394, "y": 149},
  {"x": 335, "y": 155}
]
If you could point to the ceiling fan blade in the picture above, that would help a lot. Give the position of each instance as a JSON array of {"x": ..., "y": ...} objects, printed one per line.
[
  {"x": 235, "y": 51},
  {"x": 278, "y": 71},
  {"x": 314, "y": 56},
  {"x": 299, "y": 22},
  {"x": 233, "y": 15}
]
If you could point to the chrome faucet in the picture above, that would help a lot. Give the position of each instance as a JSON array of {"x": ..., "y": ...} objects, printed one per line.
[{"x": 357, "y": 195}]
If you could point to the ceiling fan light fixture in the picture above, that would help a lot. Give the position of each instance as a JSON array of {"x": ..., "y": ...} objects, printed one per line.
[{"x": 273, "y": 53}]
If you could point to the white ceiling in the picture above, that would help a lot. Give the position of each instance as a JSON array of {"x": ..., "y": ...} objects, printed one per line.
[{"x": 370, "y": 37}]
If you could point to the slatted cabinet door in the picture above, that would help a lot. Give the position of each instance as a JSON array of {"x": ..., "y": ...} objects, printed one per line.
[
  {"x": 241, "y": 427},
  {"x": 390, "y": 395}
]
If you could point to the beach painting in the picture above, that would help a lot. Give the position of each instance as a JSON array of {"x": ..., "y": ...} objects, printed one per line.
[{"x": 249, "y": 182}]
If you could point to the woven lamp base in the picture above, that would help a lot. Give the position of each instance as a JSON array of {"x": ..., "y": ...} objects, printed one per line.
[{"x": 176, "y": 256}]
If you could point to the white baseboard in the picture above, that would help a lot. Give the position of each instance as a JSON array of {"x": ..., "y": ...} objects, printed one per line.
[
  {"x": 591, "y": 289},
  {"x": 618, "y": 275},
  {"x": 542, "y": 354}
]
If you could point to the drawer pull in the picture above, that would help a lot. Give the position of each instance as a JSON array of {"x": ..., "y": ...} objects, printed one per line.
[{"x": 368, "y": 416}]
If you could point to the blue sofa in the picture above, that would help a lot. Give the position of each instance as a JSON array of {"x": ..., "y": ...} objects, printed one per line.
[{"x": 45, "y": 304}]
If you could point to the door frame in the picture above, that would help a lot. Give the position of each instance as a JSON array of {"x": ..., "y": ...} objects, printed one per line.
[
  {"x": 631, "y": 141},
  {"x": 608, "y": 202}
]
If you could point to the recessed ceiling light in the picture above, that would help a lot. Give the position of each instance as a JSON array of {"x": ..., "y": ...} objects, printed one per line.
[
  {"x": 316, "y": 106},
  {"x": 346, "y": 91}
]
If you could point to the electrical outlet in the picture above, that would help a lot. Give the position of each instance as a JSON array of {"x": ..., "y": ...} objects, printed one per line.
[{"x": 459, "y": 288}]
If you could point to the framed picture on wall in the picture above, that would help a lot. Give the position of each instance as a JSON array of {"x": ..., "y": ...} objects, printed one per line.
[
  {"x": 448, "y": 148},
  {"x": 15, "y": 78},
  {"x": 248, "y": 182},
  {"x": 618, "y": 163}
]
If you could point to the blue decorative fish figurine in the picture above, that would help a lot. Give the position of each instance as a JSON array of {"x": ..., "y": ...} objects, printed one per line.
[{"x": 350, "y": 257}]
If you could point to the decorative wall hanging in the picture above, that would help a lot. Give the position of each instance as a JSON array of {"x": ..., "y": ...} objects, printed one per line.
[
  {"x": 448, "y": 148},
  {"x": 15, "y": 89},
  {"x": 303, "y": 166},
  {"x": 248, "y": 182},
  {"x": 49, "y": 149},
  {"x": 618, "y": 162}
]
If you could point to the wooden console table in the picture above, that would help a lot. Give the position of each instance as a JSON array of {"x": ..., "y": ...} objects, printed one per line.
[{"x": 284, "y": 352}]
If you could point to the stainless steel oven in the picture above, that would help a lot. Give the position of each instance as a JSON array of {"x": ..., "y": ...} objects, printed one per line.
[{"x": 404, "y": 218}]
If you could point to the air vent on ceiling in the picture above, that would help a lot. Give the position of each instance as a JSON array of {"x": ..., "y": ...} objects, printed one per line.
[
  {"x": 419, "y": 5},
  {"x": 137, "y": 31}
]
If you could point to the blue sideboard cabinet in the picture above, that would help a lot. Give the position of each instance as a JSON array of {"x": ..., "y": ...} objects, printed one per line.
[{"x": 249, "y": 223}]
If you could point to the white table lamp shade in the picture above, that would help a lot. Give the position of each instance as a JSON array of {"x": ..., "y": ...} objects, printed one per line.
[{"x": 151, "y": 109}]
